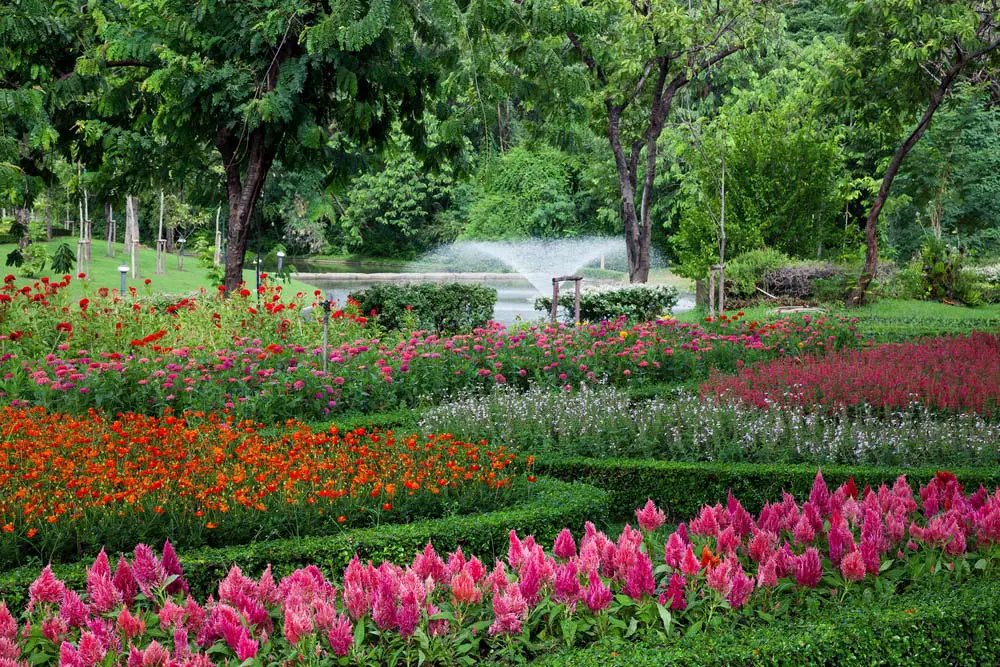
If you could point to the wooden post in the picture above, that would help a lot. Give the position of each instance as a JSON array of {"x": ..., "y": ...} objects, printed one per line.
[
  {"x": 555, "y": 302},
  {"x": 576, "y": 300},
  {"x": 217, "y": 259},
  {"x": 111, "y": 230},
  {"x": 711, "y": 292},
  {"x": 161, "y": 243}
]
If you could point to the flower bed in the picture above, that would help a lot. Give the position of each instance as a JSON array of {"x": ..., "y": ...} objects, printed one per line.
[
  {"x": 604, "y": 422},
  {"x": 720, "y": 570},
  {"x": 70, "y": 484},
  {"x": 954, "y": 375},
  {"x": 270, "y": 367}
]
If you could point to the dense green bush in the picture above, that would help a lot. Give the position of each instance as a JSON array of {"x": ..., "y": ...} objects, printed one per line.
[
  {"x": 745, "y": 273},
  {"x": 638, "y": 303},
  {"x": 932, "y": 624},
  {"x": 606, "y": 422},
  {"x": 682, "y": 488},
  {"x": 444, "y": 307},
  {"x": 554, "y": 506},
  {"x": 943, "y": 273}
]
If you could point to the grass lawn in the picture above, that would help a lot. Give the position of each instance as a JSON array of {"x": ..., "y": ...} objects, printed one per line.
[{"x": 104, "y": 270}]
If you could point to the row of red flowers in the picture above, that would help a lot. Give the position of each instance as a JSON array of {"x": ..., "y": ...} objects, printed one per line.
[
  {"x": 958, "y": 375},
  {"x": 457, "y": 610}
]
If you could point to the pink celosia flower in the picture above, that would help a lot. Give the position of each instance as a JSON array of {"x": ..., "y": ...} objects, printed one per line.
[
  {"x": 808, "y": 568},
  {"x": 245, "y": 648},
  {"x": 147, "y": 570},
  {"x": 515, "y": 550},
  {"x": 463, "y": 588},
  {"x": 567, "y": 585},
  {"x": 101, "y": 592},
  {"x": 54, "y": 629},
  {"x": 650, "y": 517},
  {"x": 804, "y": 532},
  {"x": 565, "y": 546},
  {"x": 728, "y": 541},
  {"x": 820, "y": 494},
  {"x": 530, "y": 582},
  {"x": 182, "y": 647},
  {"x": 766, "y": 575},
  {"x": 639, "y": 579},
  {"x": 871, "y": 540},
  {"x": 125, "y": 581},
  {"x": 298, "y": 623},
  {"x": 429, "y": 565},
  {"x": 171, "y": 615},
  {"x": 341, "y": 636},
  {"x": 456, "y": 563},
  {"x": 101, "y": 566},
  {"x": 8, "y": 625},
  {"x": 73, "y": 610},
  {"x": 45, "y": 589},
  {"x": 690, "y": 565},
  {"x": 510, "y": 610},
  {"x": 676, "y": 592},
  {"x": 91, "y": 650},
  {"x": 740, "y": 587},
  {"x": 69, "y": 656},
  {"x": 598, "y": 595},
  {"x": 155, "y": 655},
  {"x": 172, "y": 566},
  {"x": 673, "y": 550},
  {"x": 852, "y": 566},
  {"x": 129, "y": 625}
]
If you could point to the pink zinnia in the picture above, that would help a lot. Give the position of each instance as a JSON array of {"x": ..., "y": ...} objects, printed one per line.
[{"x": 650, "y": 517}]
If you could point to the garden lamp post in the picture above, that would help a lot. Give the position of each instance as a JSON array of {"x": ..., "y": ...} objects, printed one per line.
[
  {"x": 180, "y": 253},
  {"x": 281, "y": 259},
  {"x": 123, "y": 271}
]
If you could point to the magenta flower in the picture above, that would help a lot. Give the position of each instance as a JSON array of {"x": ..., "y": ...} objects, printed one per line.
[
  {"x": 463, "y": 588},
  {"x": 341, "y": 636},
  {"x": 45, "y": 589},
  {"x": 808, "y": 568},
  {"x": 567, "y": 586},
  {"x": 650, "y": 517},
  {"x": 852, "y": 566},
  {"x": 639, "y": 579},
  {"x": 676, "y": 592},
  {"x": 565, "y": 546},
  {"x": 510, "y": 610},
  {"x": 740, "y": 587}
]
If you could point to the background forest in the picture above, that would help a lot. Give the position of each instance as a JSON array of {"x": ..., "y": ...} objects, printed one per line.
[{"x": 385, "y": 129}]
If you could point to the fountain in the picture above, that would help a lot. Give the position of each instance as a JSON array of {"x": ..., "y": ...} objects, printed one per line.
[{"x": 536, "y": 260}]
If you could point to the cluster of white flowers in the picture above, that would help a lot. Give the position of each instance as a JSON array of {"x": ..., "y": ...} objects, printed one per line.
[{"x": 606, "y": 422}]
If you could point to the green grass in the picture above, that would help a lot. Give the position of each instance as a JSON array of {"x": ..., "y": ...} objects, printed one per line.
[{"x": 104, "y": 270}]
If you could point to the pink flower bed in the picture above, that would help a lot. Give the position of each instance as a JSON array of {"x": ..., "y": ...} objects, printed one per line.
[
  {"x": 960, "y": 375},
  {"x": 140, "y": 614}
]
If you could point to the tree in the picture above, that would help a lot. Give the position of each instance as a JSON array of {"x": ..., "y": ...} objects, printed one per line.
[
  {"x": 626, "y": 61},
  {"x": 40, "y": 41},
  {"x": 273, "y": 79},
  {"x": 915, "y": 52}
]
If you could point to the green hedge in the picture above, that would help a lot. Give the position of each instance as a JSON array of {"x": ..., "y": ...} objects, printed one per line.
[
  {"x": 935, "y": 624},
  {"x": 681, "y": 489},
  {"x": 447, "y": 307},
  {"x": 554, "y": 506}
]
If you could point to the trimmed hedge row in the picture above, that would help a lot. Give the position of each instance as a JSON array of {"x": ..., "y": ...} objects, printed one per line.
[
  {"x": 681, "y": 489},
  {"x": 934, "y": 624},
  {"x": 554, "y": 506}
]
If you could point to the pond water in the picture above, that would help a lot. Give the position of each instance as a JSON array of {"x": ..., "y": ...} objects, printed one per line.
[{"x": 515, "y": 296}]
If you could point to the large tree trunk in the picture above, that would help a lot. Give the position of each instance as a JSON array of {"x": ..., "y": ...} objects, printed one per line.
[
  {"x": 871, "y": 223},
  {"x": 243, "y": 194},
  {"x": 22, "y": 214}
]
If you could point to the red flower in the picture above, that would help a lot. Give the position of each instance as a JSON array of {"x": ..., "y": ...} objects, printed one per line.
[
  {"x": 64, "y": 326},
  {"x": 147, "y": 281}
]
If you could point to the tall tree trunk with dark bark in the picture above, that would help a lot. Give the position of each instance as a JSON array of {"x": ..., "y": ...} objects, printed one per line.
[{"x": 243, "y": 193}]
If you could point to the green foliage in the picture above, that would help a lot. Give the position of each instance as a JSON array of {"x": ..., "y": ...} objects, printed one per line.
[
  {"x": 63, "y": 259},
  {"x": 747, "y": 271},
  {"x": 525, "y": 192},
  {"x": 554, "y": 506},
  {"x": 943, "y": 274},
  {"x": 36, "y": 256},
  {"x": 935, "y": 623},
  {"x": 445, "y": 307},
  {"x": 637, "y": 303},
  {"x": 15, "y": 258},
  {"x": 398, "y": 211},
  {"x": 681, "y": 489}
]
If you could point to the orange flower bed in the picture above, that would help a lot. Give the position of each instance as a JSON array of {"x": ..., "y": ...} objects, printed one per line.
[{"x": 68, "y": 484}]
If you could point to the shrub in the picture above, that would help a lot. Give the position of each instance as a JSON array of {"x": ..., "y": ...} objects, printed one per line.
[
  {"x": 637, "y": 303},
  {"x": 800, "y": 281},
  {"x": 447, "y": 307},
  {"x": 943, "y": 273},
  {"x": 745, "y": 273},
  {"x": 682, "y": 488},
  {"x": 552, "y": 506},
  {"x": 951, "y": 375},
  {"x": 74, "y": 485},
  {"x": 606, "y": 422},
  {"x": 933, "y": 624}
]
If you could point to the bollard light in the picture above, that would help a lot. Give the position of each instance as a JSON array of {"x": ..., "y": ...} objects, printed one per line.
[
  {"x": 123, "y": 271},
  {"x": 180, "y": 242},
  {"x": 281, "y": 259}
]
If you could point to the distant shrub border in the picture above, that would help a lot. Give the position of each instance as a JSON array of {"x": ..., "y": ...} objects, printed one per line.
[
  {"x": 681, "y": 489},
  {"x": 935, "y": 624},
  {"x": 446, "y": 307},
  {"x": 553, "y": 506}
]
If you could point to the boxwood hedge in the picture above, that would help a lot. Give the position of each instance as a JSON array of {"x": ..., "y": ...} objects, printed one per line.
[
  {"x": 933, "y": 624},
  {"x": 681, "y": 489},
  {"x": 554, "y": 506}
]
